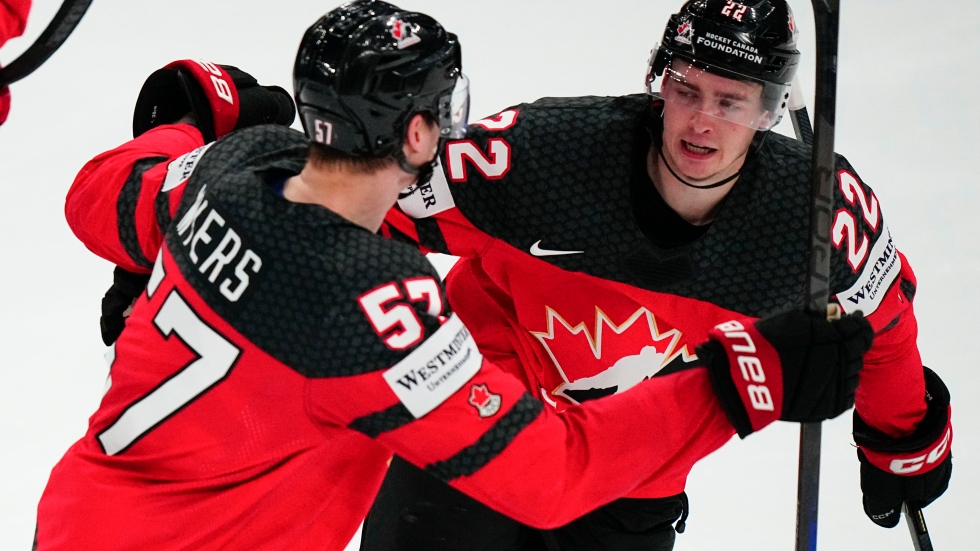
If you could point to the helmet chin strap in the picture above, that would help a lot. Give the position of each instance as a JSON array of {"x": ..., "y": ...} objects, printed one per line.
[
  {"x": 423, "y": 173},
  {"x": 754, "y": 148},
  {"x": 660, "y": 151}
]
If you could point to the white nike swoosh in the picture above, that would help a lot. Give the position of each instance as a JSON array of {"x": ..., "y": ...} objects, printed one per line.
[{"x": 536, "y": 250}]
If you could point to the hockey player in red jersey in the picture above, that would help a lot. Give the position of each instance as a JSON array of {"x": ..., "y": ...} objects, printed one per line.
[
  {"x": 13, "y": 19},
  {"x": 602, "y": 238},
  {"x": 282, "y": 350}
]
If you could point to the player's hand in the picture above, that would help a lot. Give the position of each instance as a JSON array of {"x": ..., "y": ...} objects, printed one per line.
[
  {"x": 221, "y": 98},
  {"x": 915, "y": 468},
  {"x": 792, "y": 366},
  {"x": 126, "y": 288}
]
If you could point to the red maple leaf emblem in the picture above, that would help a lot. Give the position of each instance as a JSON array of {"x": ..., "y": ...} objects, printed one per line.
[
  {"x": 479, "y": 395},
  {"x": 486, "y": 403}
]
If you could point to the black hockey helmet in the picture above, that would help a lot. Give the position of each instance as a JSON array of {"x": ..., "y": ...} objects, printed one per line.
[
  {"x": 753, "y": 41},
  {"x": 366, "y": 68}
]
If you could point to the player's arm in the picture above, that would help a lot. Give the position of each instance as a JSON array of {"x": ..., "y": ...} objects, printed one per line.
[
  {"x": 116, "y": 207},
  {"x": 13, "y": 18},
  {"x": 901, "y": 417},
  {"x": 443, "y": 407},
  {"x": 430, "y": 217},
  {"x": 122, "y": 202}
]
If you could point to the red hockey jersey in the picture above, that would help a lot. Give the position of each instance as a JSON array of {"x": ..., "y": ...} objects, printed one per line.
[
  {"x": 13, "y": 18},
  {"x": 561, "y": 286},
  {"x": 281, "y": 354}
]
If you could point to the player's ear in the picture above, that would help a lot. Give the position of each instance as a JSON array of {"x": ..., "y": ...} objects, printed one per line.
[{"x": 421, "y": 137}]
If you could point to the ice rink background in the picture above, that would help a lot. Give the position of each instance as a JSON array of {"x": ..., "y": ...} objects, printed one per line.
[{"x": 907, "y": 119}]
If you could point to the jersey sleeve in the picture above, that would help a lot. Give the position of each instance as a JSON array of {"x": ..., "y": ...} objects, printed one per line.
[
  {"x": 13, "y": 18},
  {"x": 869, "y": 274},
  {"x": 444, "y": 407},
  {"x": 483, "y": 162},
  {"x": 122, "y": 201}
]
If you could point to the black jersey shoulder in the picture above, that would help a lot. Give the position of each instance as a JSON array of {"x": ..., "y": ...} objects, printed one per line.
[
  {"x": 570, "y": 167},
  {"x": 301, "y": 304}
]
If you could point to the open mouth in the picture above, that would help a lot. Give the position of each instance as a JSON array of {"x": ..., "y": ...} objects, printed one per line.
[{"x": 697, "y": 150}]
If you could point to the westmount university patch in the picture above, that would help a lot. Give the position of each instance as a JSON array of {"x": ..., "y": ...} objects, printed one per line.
[
  {"x": 181, "y": 168},
  {"x": 437, "y": 369},
  {"x": 880, "y": 271},
  {"x": 428, "y": 199}
]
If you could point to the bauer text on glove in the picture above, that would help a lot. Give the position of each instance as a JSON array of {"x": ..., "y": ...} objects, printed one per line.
[{"x": 792, "y": 366}]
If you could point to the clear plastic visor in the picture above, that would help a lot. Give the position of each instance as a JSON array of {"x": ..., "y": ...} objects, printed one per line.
[
  {"x": 453, "y": 121},
  {"x": 748, "y": 102}
]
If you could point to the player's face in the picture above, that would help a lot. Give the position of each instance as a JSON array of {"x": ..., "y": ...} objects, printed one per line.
[{"x": 704, "y": 138}]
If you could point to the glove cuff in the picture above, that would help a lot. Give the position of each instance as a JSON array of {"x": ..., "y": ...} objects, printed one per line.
[
  {"x": 130, "y": 284},
  {"x": 205, "y": 89},
  {"x": 746, "y": 374},
  {"x": 920, "y": 452}
]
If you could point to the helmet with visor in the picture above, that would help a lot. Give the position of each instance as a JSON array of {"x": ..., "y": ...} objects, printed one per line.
[{"x": 752, "y": 43}]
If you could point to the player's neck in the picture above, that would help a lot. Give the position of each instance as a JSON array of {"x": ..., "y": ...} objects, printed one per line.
[
  {"x": 362, "y": 198},
  {"x": 696, "y": 206}
]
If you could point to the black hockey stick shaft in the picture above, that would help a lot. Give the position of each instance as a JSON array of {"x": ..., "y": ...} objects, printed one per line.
[
  {"x": 810, "y": 433},
  {"x": 64, "y": 22},
  {"x": 826, "y": 16},
  {"x": 917, "y": 527}
]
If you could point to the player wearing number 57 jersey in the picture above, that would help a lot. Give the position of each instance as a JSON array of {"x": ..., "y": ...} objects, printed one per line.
[
  {"x": 602, "y": 238},
  {"x": 282, "y": 351}
]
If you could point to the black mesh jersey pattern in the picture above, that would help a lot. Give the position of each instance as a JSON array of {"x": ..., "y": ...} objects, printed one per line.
[
  {"x": 569, "y": 186},
  {"x": 126, "y": 210},
  {"x": 473, "y": 457},
  {"x": 302, "y": 305}
]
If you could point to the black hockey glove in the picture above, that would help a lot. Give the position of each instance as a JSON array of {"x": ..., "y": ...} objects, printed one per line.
[
  {"x": 126, "y": 288},
  {"x": 222, "y": 98},
  {"x": 792, "y": 366},
  {"x": 915, "y": 468}
]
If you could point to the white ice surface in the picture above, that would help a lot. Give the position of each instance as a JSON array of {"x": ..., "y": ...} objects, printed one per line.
[{"x": 907, "y": 118}]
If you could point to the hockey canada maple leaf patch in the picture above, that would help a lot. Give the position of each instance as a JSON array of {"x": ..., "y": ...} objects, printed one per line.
[
  {"x": 403, "y": 33},
  {"x": 485, "y": 402},
  {"x": 610, "y": 359}
]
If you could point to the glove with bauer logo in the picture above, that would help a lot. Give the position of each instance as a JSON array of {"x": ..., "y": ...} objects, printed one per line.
[
  {"x": 222, "y": 98},
  {"x": 915, "y": 468},
  {"x": 792, "y": 366}
]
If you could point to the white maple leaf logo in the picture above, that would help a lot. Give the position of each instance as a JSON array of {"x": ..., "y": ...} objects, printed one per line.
[{"x": 612, "y": 358}]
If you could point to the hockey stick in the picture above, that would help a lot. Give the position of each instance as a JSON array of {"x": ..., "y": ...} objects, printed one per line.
[
  {"x": 826, "y": 19},
  {"x": 808, "y": 484},
  {"x": 64, "y": 22},
  {"x": 917, "y": 527},
  {"x": 826, "y": 15}
]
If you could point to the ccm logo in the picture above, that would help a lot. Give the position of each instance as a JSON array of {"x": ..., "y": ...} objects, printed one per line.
[
  {"x": 906, "y": 466},
  {"x": 749, "y": 365},
  {"x": 221, "y": 86}
]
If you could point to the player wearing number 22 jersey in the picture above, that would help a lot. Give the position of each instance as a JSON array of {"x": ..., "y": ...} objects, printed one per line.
[{"x": 575, "y": 276}]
